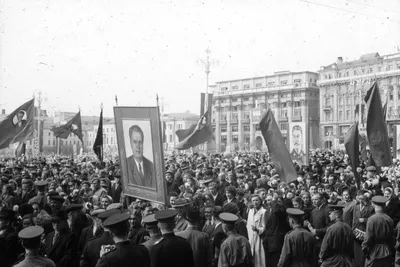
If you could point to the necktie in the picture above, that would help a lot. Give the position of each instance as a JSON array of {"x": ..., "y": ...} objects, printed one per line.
[
  {"x": 56, "y": 234},
  {"x": 140, "y": 169}
]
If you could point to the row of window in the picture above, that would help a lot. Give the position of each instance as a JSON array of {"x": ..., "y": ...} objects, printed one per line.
[
  {"x": 273, "y": 83},
  {"x": 328, "y": 130},
  {"x": 361, "y": 71}
]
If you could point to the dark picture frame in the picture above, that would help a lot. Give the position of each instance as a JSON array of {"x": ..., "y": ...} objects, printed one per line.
[{"x": 139, "y": 139}]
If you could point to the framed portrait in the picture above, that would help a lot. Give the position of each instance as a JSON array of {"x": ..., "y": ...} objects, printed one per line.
[{"x": 140, "y": 152}]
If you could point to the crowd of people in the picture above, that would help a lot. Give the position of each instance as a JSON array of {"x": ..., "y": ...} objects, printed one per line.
[{"x": 230, "y": 209}]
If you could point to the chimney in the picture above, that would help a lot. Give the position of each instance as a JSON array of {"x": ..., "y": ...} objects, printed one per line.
[
  {"x": 3, "y": 112},
  {"x": 339, "y": 60}
]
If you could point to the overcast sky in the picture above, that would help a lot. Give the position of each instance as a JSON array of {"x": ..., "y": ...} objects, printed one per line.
[{"x": 81, "y": 53}]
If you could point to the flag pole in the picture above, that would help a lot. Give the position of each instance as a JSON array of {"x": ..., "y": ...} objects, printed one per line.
[{"x": 102, "y": 143}]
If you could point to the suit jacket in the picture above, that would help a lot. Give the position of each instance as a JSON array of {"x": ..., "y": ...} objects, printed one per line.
[
  {"x": 86, "y": 235},
  {"x": 116, "y": 190},
  {"x": 134, "y": 176},
  {"x": 9, "y": 247},
  {"x": 91, "y": 252},
  {"x": 63, "y": 252},
  {"x": 27, "y": 196},
  {"x": 200, "y": 244},
  {"x": 276, "y": 227},
  {"x": 181, "y": 225}
]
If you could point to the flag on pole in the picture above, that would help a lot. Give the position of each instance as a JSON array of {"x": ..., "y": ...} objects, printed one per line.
[
  {"x": 352, "y": 145},
  {"x": 376, "y": 128},
  {"x": 18, "y": 126},
  {"x": 72, "y": 126},
  {"x": 98, "y": 143},
  {"x": 195, "y": 135},
  {"x": 277, "y": 147},
  {"x": 21, "y": 149}
]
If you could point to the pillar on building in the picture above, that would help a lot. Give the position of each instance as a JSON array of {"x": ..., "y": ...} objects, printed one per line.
[
  {"x": 218, "y": 129},
  {"x": 306, "y": 120},
  {"x": 290, "y": 115},
  {"x": 229, "y": 129},
  {"x": 240, "y": 127},
  {"x": 251, "y": 127}
]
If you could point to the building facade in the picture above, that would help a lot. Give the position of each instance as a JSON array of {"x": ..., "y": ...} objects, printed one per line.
[
  {"x": 173, "y": 122},
  {"x": 293, "y": 97},
  {"x": 343, "y": 86}
]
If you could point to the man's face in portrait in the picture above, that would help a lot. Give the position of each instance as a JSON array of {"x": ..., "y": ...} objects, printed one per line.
[
  {"x": 297, "y": 139},
  {"x": 20, "y": 116},
  {"x": 137, "y": 145}
]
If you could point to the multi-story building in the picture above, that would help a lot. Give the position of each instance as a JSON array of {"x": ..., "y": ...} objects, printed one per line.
[
  {"x": 173, "y": 122},
  {"x": 343, "y": 86},
  {"x": 293, "y": 97}
]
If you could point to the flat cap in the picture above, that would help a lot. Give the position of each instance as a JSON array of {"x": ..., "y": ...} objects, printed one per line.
[
  {"x": 114, "y": 206},
  {"x": 116, "y": 219},
  {"x": 31, "y": 232},
  {"x": 335, "y": 207},
  {"x": 57, "y": 198},
  {"x": 73, "y": 207},
  {"x": 180, "y": 203},
  {"x": 165, "y": 215},
  {"x": 41, "y": 183},
  {"x": 97, "y": 212},
  {"x": 371, "y": 169},
  {"x": 27, "y": 181},
  {"x": 294, "y": 212},
  {"x": 229, "y": 218},
  {"x": 107, "y": 214},
  {"x": 379, "y": 200}
]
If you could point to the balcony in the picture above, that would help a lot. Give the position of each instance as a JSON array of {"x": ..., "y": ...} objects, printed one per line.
[
  {"x": 283, "y": 119},
  {"x": 327, "y": 107},
  {"x": 296, "y": 118}
]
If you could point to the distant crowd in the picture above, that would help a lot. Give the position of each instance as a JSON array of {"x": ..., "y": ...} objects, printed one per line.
[{"x": 230, "y": 209}]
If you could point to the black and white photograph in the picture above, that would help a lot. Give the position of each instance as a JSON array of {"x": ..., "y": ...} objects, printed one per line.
[{"x": 213, "y": 133}]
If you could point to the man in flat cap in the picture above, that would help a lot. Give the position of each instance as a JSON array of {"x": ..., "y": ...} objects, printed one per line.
[
  {"x": 199, "y": 241},
  {"x": 123, "y": 253},
  {"x": 170, "y": 250},
  {"x": 140, "y": 169},
  {"x": 298, "y": 245},
  {"x": 30, "y": 240},
  {"x": 235, "y": 249},
  {"x": 378, "y": 241},
  {"x": 337, "y": 247},
  {"x": 94, "y": 229},
  {"x": 91, "y": 252},
  {"x": 61, "y": 243}
]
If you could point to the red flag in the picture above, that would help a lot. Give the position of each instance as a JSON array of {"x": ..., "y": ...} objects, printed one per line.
[
  {"x": 352, "y": 145},
  {"x": 378, "y": 138},
  {"x": 196, "y": 134},
  {"x": 277, "y": 147},
  {"x": 18, "y": 126},
  {"x": 73, "y": 126}
]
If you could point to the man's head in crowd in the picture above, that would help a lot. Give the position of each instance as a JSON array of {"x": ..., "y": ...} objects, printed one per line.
[
  {"x": 313, "y": 190},
  {"x": 256, "y": 201},
  {"x": 213, "y": 188},
  {"x": 230, "y": 192},
  {"x": 317, "y": 199}
]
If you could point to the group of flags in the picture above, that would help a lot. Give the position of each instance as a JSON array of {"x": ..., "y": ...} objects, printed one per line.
[{"x": 19, "y": 126}]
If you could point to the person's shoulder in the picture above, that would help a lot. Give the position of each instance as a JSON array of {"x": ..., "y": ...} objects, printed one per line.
[{"x": 147, "y": 161}]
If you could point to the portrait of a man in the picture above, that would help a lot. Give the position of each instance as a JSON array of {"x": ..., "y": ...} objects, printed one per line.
[
  {"x": 297, "y": 152},
  {"x": 19, "y": 119},
  {"x": 140, "y": 168}
]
